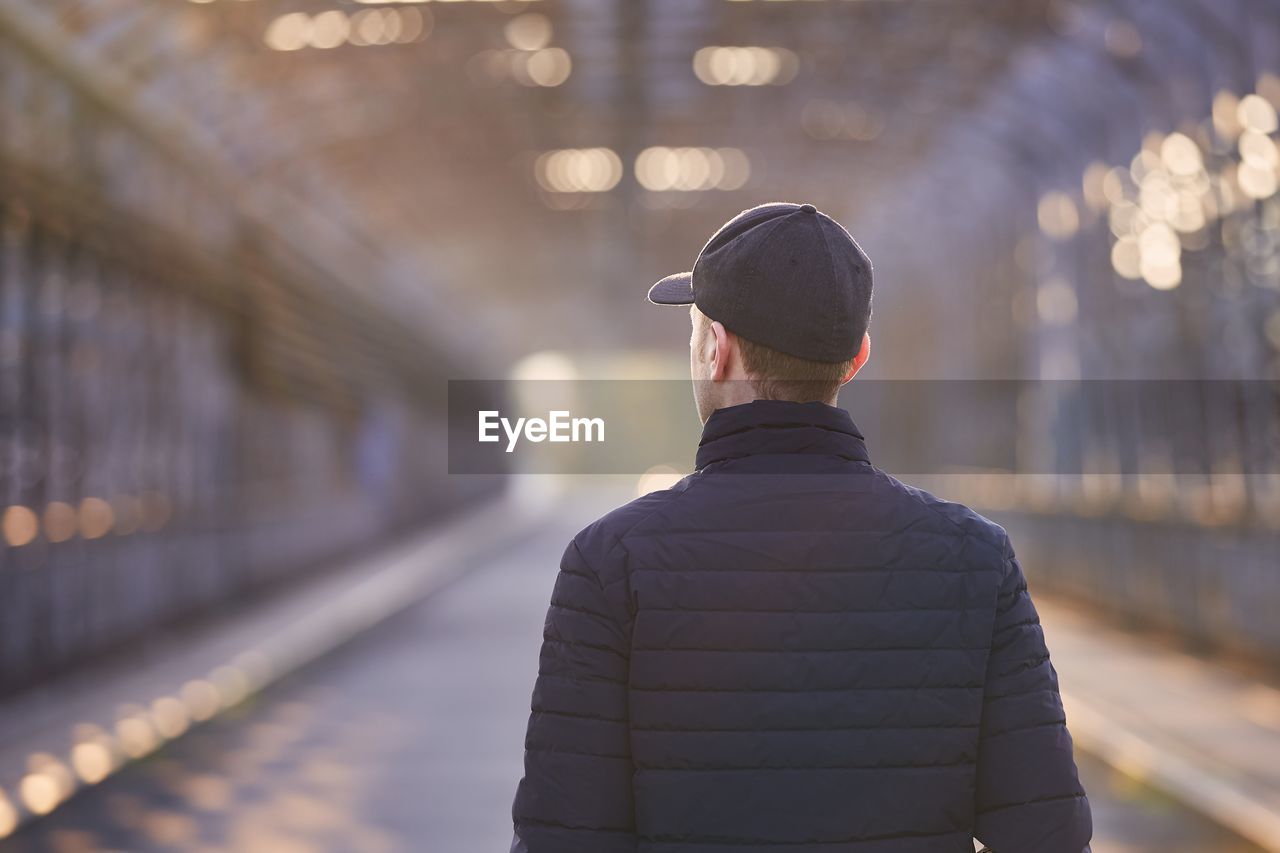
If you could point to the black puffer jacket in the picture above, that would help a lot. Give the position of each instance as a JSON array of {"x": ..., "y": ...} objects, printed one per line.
[{"x": 792, "y": 651}]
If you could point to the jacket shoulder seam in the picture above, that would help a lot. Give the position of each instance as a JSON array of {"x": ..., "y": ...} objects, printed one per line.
[
  {"x": 617, "y": 537},
  {"x": 963, "y": 531}
]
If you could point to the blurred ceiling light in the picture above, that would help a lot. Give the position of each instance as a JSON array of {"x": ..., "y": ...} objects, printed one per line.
[
  {"x": 1160, "y": 256},
  {"x": 692, "y": 169},
  {"x": 329, "y": 29},
  {"x": 8, "y": 816},
  {"x": 1269, "y": 88},
  {"x": 366, "y": 27},
  {"x": 1113, "y": 185},
  {"x": 545, "y": 365},
  {"x": 1057, "y": 215},
  {"x": 39, "y": 792},
  {"x": 1226, "y": 108},
  {"x": 96, "y": 518},
  {"x": 1176, "y": 186},
  {"x": 134, "y": 732},
  {"x": 388, "y": 26},
  {"x": 578, "y": 170},
  {"x": 745, "y": 66},
  {"x": 1159, "y": 245},
  {"x": 1094, "y": 185},
  {"x": 47, "y": 783},
  {"x": 255, "y": 666},
  {"x": 1165, "y": 277},
  {"x": 1122, "y": 39},
  {"x": 19, "y": 525},
  {"x": 1056, "y": 302},
  {"x": 1144, "y": 163},
  {"x": 550, "y": 66},
  {"x": 1157, "y": 197},
  {"x": 1126, "y": 257},
  {"x": 1190, "y": 214},
  {"x": 169, "y": 716},
  {"x": 59, "y": 521},
  {"x": 202, "y": 699},
  {"x": 414, "y": 25},
  {"x": 1255, "y": 181},
  {"x": 1126, "y": 219},
  {"x": 530, "y": 31},
  {"x": 1258, "y": 149},
  {"x": 289, "y": 32},
  {"x": 369, "y": 27},
  {"x": 1181, "y": 155},
  {"x": 92, "y": 758},
  {"x": 232, "y": 685},
  {"x": 1256, "y": 113}
]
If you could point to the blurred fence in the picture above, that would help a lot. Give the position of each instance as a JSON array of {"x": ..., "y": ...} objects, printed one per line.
[
  {"x": 195, "y": 397},
  {"x": 1109, "y": 211},
  {"x": 1218, "y": 590}
]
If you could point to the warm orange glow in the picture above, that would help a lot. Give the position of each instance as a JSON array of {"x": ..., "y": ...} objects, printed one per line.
[
  {"x": 231, "y": 683},
  {"x": 169, "y": 716},
  {"x": 201, "y": 698},
  {"x": 92, "y": 761},
  {"x": 1256, "y": 113},
  {"x": 47, "y": 783},
  {"x": 550, "y": 66},
  {"x": 20, "y": 525},
  {"x": 39, "y": 792},
  {"x": 1058, "y": 216},
  {"x": 530, "y": 31},
  {"x": 578, "y": 170},
  {"x": 134, "y": 732},
  {"x": 8, "y": 816},
  {"x": 692, "y": 169},
  {"x": 60, "y": 521},
  {"x": 96, "y": 518},
  {"x": 1226, "y": 114},
  {"x": 745, "y": 66}
]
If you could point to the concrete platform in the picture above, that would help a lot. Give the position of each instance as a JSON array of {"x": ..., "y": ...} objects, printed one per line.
[{"x": 1203, "y": 732}]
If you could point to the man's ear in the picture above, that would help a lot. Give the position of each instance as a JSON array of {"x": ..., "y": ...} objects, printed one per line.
[
  {"x": 864, "y": 353},
  {"x": 722, "y": 352}
]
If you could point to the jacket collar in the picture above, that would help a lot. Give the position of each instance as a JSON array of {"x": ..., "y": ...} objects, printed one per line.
[{"x": 779, "y": 426}]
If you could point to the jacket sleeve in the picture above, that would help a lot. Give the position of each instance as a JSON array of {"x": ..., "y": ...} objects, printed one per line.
[
  {"x": 575, "y": 796},
  {"x": 1028, "y": 795}
]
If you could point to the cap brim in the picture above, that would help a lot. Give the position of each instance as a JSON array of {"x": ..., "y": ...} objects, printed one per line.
[{"x": 673, "y": 290}]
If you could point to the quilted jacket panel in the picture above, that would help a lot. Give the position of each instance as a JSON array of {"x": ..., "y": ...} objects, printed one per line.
[{"x": 793, "y": 651}]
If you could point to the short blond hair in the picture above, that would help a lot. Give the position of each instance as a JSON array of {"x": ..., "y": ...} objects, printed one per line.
[{"x": 777, "y": 375}]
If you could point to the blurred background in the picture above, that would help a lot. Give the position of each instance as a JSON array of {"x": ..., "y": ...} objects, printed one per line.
[{"x": 245, "y": 246}]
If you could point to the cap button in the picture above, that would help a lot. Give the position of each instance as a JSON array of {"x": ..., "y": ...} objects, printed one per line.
[{"x": 808, "y": 208}]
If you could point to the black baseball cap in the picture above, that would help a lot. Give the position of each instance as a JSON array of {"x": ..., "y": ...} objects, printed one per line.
[{"x": 783, "y": 275}]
